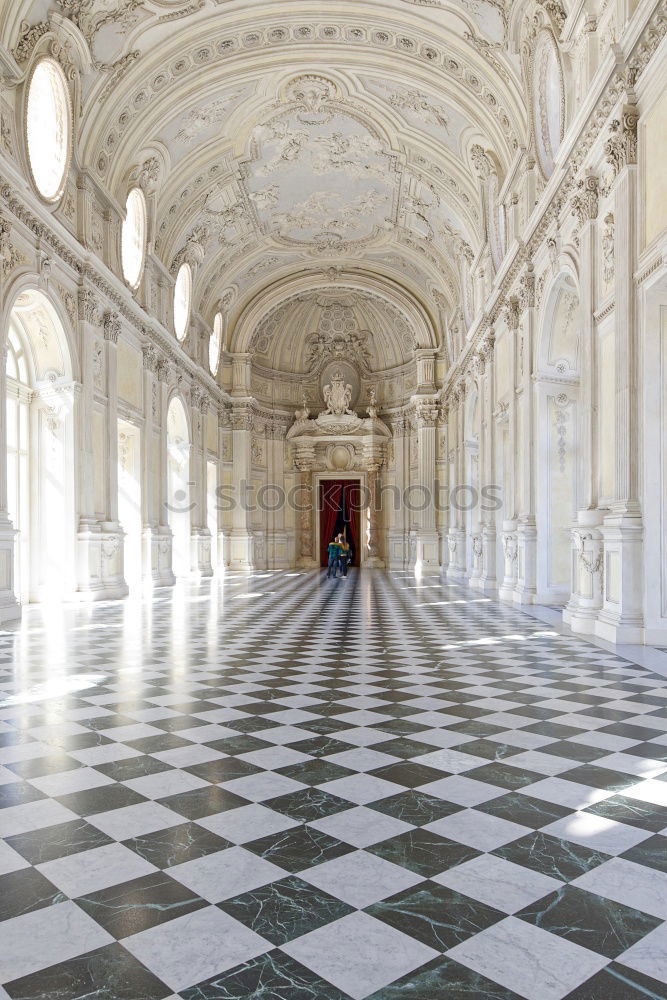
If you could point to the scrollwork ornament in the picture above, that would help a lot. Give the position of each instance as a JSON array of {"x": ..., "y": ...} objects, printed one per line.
[
  {"x": 585, "y": 202},
  {"x": 621, "y": 146},
  {"x": 89, "y": 307},
  {"x": 112, "y": 326}
]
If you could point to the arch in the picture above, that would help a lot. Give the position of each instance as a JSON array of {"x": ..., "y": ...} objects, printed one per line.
[
  {"x": 39, "y": 439},
  {"x": 274, "y": 296}
]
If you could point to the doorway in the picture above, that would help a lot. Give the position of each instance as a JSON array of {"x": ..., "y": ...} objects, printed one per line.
[
  {"x": 40, "y": 462},
  {"x": 340, "y": 501},
  {"x": 178, "y": 468},
  {"x": 129, "y": 498}
]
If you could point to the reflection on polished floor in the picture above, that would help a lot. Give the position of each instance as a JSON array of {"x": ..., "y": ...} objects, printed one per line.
[{"x": 278, "y": 787}]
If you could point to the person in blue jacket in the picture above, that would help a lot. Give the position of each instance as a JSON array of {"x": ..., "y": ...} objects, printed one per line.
[{"x": 333, "y": 552}]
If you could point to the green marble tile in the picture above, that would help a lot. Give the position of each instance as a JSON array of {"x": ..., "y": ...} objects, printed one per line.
[
  {"x": 618, "y": 982},
  {"x": 308, "y": 804},
  {"x": 504, "y": 775},
  {"x": 298, "y": 849},
  {"x": 282, "y": 911},
  {"x": 437, "y": 916},
  {"x": 561, "y": 859},
  {"x": 423, "y": 852},
  {"x": 273, "y": 976},
  {"x": 442, "y": 979},
  {"x": 415, "y": 807},
  {"x": 589, "y": 920},
  {"x": 634, "y": 812}
]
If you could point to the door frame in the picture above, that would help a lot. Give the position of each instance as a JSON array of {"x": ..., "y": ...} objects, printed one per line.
[{"x": 332, "y": 476}]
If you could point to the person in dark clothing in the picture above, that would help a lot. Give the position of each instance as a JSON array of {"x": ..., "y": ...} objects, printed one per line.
[{"x": 333, "y": 552}]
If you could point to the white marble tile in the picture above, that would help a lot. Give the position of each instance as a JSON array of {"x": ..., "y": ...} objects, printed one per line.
[
  {"x": 565, "y": 793},
  {"x": 649, "y": 955},
  {"x": 360, "y": 878},
  {"x": 626, "y": 882},
  {"x": 135, "y": 821},
  {"x": 451, "y": 761},
  {"x": 10, "y": 860},
  {"x": 362, "y": 759},
  {"x": 285, "y": 734},
  {"x": 359, "y": 954},
  {"x": 627, "y": 763},
  {"x": 498, "y": 883},
  {"x": 263, "y": 785},
  {"x": 652, "y": 791},
  {"x": 53, "y": 934},
  {"x": 76, "y": 780},
  {"x": 33, "y": 816},
  {"x": 535, "y": 964},
  {"x": 361, "y": 736},
  {"x": 362, "y": 788},
  {"x": 105, "y": 754},
  {"x": 464, "y": 791},
  {"x": 192, "y": 948},
  {"x": 247, "y": 823},
  {"x": 477, "y": 829},
  {"x": 540, "y": 763},
  {"x": 274, "y": 757},
  {"x": 187, "y": 756},
  {"x": 600, "y": 834},
  {"x": 361, "y": 826},
  {"x": 226, "y": 873},
  {"x": 164, "y": 783},
  {"x": 89, "y": 871}
]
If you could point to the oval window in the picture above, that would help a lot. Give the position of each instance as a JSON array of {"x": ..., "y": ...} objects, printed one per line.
[
  {"x": 214, "y": 345},
  {"x": 182, "y": 295},
  {"x": 133, "y": 238},
  {"x": 48, "y": 128},
  {"x": 548, "y": 101}
]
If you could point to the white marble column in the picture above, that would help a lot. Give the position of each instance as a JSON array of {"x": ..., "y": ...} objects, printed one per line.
[
  {"x": 488, "y": 581},
  {"x": 10, "y": 609},
  {"x": 621, "y": 618},
  {"x": 526, "y": 583},
  {"x": 398, "y": 536},
  {"x": 456, "y": 566},
  {"x": 586, "y": 596},
  {"x": 166, "y": 541},
  {"x": 427, "y": 536},
  {"x": 112, "y": 532},
  {"x": 200, "y": 536},
  {"x": 224, "y": 462},
  {"x": 240, "y": 540}
]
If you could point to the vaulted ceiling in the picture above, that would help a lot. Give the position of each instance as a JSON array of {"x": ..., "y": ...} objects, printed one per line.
[{"x": 284, "y": 138}]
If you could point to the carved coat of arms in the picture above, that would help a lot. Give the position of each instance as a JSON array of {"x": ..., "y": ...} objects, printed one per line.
[{"x": 338, "y": 395}]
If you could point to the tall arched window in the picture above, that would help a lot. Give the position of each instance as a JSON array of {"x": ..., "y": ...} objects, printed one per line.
[
  {"x": 133, "y": 238},
  {"x": 548, "y": 101},
  {"x": 182, "y": 297},
  {"x": 214, "y": 344},
  {"x": 48, "y": 128}
]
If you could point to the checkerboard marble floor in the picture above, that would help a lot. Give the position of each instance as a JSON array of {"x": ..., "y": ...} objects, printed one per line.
[{"x": 278, "y": 787}]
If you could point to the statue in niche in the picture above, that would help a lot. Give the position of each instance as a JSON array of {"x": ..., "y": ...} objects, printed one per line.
[
  {"x": 338, "y": 395},
  {"x": 372, "y": 404}
]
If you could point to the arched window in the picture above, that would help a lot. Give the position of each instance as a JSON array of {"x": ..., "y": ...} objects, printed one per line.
[
  {"x": 214, "y": 345},
  {"x": 133, "y": 239},
  {"x": 548, "y": 101},
  {"x": 182, "y": 297},
  {"x": 48, "y": 128}
]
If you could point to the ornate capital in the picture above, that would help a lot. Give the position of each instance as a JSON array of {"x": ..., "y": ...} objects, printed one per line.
[
  {"x": 89, "y": 307},
  {"x": 512, "y": 313},
  {"x": 480, "y": 161},
  {"x": 242, "y": 420},
  {"x": 621, "y": 147},
  {"x": 111, "y": 326},
  {"x": 585, "y": 201},
  {"x": 427, "y": 414},
  {"x": 527, "y": 289},
  {"x": 150, "y": 357}
]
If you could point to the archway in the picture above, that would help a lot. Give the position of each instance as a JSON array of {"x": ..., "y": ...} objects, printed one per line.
[
  {"x": 40, "y": 452},
  {"x": 178, "y": 485}
]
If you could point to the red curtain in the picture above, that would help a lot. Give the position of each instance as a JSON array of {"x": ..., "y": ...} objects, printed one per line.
[
  {"x": 352, "y": 501},
  {"x": 331, "y": 494}
]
